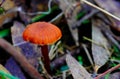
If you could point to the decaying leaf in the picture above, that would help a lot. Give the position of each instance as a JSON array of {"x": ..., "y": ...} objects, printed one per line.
[
  {"x": 8, "y": 4},
  {"x": 4, "y": 18},
  {"x": 77, "y": 70},
  {"x": 115, "y": 75},
  {"x": 100, "y": 50},
  {"x": 14, "y": 68},
  {"x": 29, "y": 50}
]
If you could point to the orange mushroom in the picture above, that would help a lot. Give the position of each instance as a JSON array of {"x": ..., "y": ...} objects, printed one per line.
[{"x": 42, "y": 33}]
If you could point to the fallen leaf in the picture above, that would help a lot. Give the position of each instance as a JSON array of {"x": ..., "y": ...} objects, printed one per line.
[
  {"x": 77, "y": 70},
  {"x": 8, "y": 4},
  {"x": 100, "y": 50},
  {"x": 115, "y": 75},
  {"x": 4, "y": 18},
  {"x": 29, "y": 50}
]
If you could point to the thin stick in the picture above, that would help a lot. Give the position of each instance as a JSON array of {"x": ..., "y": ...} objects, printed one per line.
[
  {"x": 53, "y": 49},
  {"x": 20, "y": 58},
  {"x": 40, "y": 12},
  {"x": 92, "y": 41},
  {"x": 88, "y": 54},
  {"x": 56, "y": 17},
  {"x": 102, "y": 10},
  {"x": 108, "y": 71}
]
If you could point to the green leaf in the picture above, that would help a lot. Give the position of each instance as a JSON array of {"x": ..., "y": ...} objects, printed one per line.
[
  {"x": 2, "y": 73},
  {"x": 80, "y": 15},
  {"x": 80, "y": 59},
  {"x": 107, "y": 76},
  {"x": 116, "y": 49},
  {"x": 4, "y": 32},
  {"x": 86, "y": 21},
  {"x": 2, "y": 10},
  {"x": 63, "y": 68}
]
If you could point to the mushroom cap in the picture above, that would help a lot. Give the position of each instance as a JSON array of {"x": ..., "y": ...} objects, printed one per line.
[{"x": 42, "y": 33}]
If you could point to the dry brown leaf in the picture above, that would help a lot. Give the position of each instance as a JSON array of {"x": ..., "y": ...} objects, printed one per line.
[
  {"x": 30, "y": 51},
  {"x": 6, "y": 17},
  {"x": 8, "y": 4},
  {"x": 100, "y": 50},
  {"x": 77, "y": 70}
]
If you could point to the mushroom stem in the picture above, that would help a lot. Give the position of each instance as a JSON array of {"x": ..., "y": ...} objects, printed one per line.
[{"x": 46, "y": 59}]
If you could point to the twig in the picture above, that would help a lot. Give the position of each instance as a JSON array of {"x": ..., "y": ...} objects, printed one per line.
[
  {"x": 53, "y": 49},
  {"x": 56, "y": 17},
  {"x": 19, "y": 9},
  {"x": 88, "y": 54},
  {"x": 90, "y": 40},
  {"x": 87, "y": 16},
  {"x": 64, "y": 74},
  {"x": 20, "y": 43},
  {"x": 40, "y": 12},
  {"x": 108, "y": 71},
  {"x": 112, "y": 39},
  {"x": 44, "y": 70},
  {"x": 102, "y": 10},
  {"x": 115, "y": 60},
  {"x": 106, "y": 30},
  {"x": 20, "y": 59}
]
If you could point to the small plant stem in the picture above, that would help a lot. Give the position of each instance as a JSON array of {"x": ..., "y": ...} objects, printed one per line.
[
  {"x": 46, "y": 59},
  {"x": 92, "y": 41},
  {"x": 20, "y": 58},
  {"x": 88, "y": 54},
  {"x": 108, "y": 71}
]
